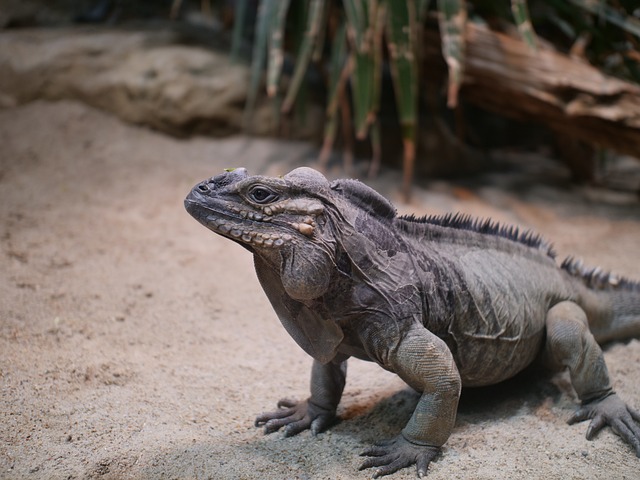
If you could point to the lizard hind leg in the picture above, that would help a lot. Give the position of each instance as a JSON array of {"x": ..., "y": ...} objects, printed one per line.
[{"x": 571, "y": 345}]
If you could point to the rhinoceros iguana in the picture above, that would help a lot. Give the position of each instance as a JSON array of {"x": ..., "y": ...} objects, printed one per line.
[{"x": 442, "y": 301}]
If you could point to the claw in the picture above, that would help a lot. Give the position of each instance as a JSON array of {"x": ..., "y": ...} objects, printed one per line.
[
  {"x": 320, "y": 424},
  {"x": 375, "y": 451},
  {"x": 597, "y": 424},
  {"x": 286, "y": 403},
  {"x": 611, "y": 411},
  {"x": 422, "y": 464},
  {"x": 396, "y": 454},
  {"x": 295, "y": 417}
]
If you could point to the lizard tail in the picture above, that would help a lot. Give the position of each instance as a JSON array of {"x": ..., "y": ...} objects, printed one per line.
[{"x": 612, "y": 303}]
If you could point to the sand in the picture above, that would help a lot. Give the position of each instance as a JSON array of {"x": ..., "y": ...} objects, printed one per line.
[{"x": 136, "y": 344}]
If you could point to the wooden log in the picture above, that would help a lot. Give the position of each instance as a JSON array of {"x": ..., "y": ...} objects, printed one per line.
[{"x": 503, "y": 75}]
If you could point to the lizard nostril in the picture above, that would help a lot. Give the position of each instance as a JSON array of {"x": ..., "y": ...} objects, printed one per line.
[{"x": 203, "y": 187}]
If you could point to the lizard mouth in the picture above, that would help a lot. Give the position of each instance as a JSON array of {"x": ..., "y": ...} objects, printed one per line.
[{"x": 239, "y": 228}]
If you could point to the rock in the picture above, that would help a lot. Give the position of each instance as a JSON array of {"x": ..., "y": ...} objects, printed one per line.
[{"x": 144, "y": 77}]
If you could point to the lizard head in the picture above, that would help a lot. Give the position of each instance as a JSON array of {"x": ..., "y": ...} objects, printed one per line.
[
  {"x": 281, "y": 221},
  {"x": 261, "y": 213},
  {"x": 301, "y": 211},
  {"x": 303, "y": 232}
]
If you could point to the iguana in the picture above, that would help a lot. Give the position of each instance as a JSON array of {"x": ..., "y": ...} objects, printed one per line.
[{"x": 442, "y": 301}]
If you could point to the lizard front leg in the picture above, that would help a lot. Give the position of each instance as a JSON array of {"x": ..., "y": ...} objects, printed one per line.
[
  {"x": 570, "y": 344},
  {"x": 317, "y": 412},
  {"x": 425, "y": 362}
]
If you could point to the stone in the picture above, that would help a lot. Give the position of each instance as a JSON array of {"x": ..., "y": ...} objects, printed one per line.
[{"x": 144, "y": 77}]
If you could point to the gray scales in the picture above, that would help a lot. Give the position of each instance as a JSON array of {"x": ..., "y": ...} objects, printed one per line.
[{"x": 441, "y": 301}]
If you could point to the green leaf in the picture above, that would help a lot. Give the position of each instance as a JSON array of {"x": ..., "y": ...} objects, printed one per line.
[
  {"x": 315, "y": 21},
  {"x": 452, "y": 20},
  {"x": 318, "y": 51},
  {"x": 336, "y": 67},
  {"x": 378, "y": 58},
  {"x": 238, "y": 28},
  {"x": 523, "y": 21},
  {"x": 276, "y": 52},
  {"x": 363, "y": 29},
  {"x": 357, "y": 20},
  {"x": 402, "y": 29},
  {"x": 362, "y": 84},
  {"x": 263, "y": 21}
]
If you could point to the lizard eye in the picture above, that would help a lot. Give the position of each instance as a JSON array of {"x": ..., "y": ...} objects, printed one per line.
[{"x": 262, "y": 195}]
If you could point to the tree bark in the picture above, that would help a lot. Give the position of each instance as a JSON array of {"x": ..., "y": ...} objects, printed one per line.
[{"x": 503, "y": 75}]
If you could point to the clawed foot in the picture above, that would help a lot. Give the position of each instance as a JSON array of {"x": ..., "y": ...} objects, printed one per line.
[
  {"x": 398, "y": 453},
  {"x": 611, "y": 411},
  {"x": 296, "y": 417}
]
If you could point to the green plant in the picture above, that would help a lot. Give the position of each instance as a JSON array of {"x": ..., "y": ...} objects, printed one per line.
[{"x": 362, "y": 36}]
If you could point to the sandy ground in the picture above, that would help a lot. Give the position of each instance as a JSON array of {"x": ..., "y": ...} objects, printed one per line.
[{"x": 136, "y": 344}]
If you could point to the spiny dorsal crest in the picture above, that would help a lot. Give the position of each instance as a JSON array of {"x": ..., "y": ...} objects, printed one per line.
[
  {"x": 487, "y": 226},
  {"x": 364, "y": 197},
  {"x": 596, "y": 278}
]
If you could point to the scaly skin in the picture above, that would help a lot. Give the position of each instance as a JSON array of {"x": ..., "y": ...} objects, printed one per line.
[{"x": 443, "y": 302}]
